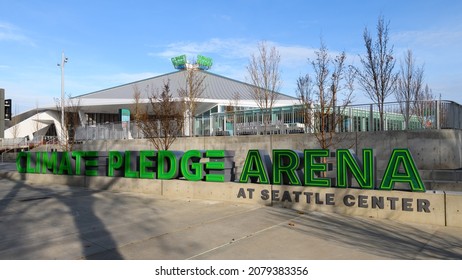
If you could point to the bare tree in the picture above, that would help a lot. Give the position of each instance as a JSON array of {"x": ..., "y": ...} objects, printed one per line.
[
  {"x": 233, "y": 104},
  {"x": 408, "y": 86},
  {"x": 165, "y": 124},
  {"x": 138, "y": 109},
  {"x": 192, "y": 94},
  {"x": 425, "y": 108},
  {"x": 377, "y": 77},
  {"x": 232, "y": 107},
  {"x": 331, "y": 78},
  {"x": 265, "y": 75},
  {"x": 71, "y": 122},
  {"x": 305, "y": 95}
]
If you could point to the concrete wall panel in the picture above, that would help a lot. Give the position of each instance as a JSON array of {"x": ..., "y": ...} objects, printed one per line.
[
  {"x": 122, "y": 184},
  {"x": 434, "y": 208},
  {"x": 427, "y": 208},
  {"x": 454, "y": 209}
]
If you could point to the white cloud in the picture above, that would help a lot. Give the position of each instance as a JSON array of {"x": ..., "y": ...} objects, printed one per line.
[
  {"x": 430, "y": 38},
  {"x": 295, "y": 56},
  {"x": 11, "y": 33},
  {"x": 228, "y": 48}
]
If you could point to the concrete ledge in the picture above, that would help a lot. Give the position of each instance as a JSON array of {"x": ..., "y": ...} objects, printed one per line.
[
  {"x": 212, "y": 191},
  {"x": 427, "y": 208},
  {"x": 44, "y": 178},
  {"x": 434, "y": 208},
  {"x": 454, "y": 209},
  {"x": 123, "y": 184}
]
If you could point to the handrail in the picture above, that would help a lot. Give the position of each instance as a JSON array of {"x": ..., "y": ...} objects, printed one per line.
[{"x": 432, "y": 114}]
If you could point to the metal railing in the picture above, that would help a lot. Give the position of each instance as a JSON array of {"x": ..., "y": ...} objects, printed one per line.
[
  {"x": 9, "y": 145},
  {"x": 366, "y": 117},
  {"x": 13, "y": 145},
  {"x": 299, "y": 119},
  {"x": 109, "y": 131}
]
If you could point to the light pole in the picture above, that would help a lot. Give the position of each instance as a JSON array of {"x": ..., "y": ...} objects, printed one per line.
[{"x": 61, "y": 65}]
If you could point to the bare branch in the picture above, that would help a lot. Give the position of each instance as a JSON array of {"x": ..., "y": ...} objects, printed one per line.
[
  {"x": 320, "y": 94},
  {"x": 305, "y": 95},
  {"x": 264, "y": 74},
  {"x": 166, "y": 122},
  {"x": 192, "y": 93},
  {"x": 409, "y": 86},
  {"x": 376, "y": 76},
  {"x": 71, "y": 122}
]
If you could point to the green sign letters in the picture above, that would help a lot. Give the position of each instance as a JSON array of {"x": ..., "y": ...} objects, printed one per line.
[{"x": 287, "y": 167}]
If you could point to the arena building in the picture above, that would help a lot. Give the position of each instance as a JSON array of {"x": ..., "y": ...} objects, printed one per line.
[{"x": 101, "y": 108}]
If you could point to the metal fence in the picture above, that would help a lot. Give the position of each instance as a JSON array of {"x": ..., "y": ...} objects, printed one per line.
[
  {"x": 367, "y": 117},
  {"x": 13, "y": 145},
  {"x": 297, "y": 119},
  {"x": 109, "y": 131}
]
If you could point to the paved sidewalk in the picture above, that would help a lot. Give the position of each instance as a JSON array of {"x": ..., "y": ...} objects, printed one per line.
[{"x": 63, "y": 222}]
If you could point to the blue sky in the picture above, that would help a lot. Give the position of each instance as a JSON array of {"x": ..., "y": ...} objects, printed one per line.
[{"x": 109, "y": 43}]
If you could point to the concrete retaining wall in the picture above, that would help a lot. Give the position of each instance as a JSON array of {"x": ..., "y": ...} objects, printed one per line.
[
  {"x": 453, "y": 209},
  {"x": 431, "y": 149},
  {"x": 434, "y": 208}
]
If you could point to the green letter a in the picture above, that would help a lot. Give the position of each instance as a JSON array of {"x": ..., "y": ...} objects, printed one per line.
[
  {"x": 254, "y": 168},
  {"x": 410, "y": 175}
]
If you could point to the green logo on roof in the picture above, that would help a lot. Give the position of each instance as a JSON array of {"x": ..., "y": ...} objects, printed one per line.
[
  {"x": 203, "y": 62},
  {"x": 179, "y": 62}
]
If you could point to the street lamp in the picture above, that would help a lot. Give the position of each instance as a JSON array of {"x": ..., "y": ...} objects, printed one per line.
[{"x": 61, "y": 65}]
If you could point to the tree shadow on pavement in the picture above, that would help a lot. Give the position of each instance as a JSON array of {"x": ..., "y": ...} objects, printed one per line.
[
  {"x": 385, "y": 238},
  {"x": 28, "y": 201}
]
